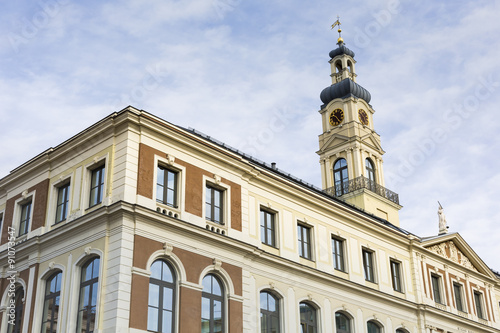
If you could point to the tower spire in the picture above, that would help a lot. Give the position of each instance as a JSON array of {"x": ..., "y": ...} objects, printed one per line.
[{"x": 339, "y": 40}]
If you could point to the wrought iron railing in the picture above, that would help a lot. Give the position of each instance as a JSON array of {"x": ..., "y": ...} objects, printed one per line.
[{"x": 361, "y": 183}]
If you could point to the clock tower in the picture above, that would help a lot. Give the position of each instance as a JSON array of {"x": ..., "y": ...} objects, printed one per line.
[{"x": 349, "y": 148}]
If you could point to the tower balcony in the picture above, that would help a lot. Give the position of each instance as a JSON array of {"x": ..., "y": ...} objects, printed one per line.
[{"x": 362, "y": 183}]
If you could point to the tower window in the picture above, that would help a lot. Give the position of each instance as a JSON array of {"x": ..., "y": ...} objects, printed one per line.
[
  {"x": 370, "y": 171},
  {"x": 338, "y": 66},
  {"x": 341, "y": 177}
]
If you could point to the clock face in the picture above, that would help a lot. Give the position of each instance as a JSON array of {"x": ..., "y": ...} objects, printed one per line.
[
  {"x": 363, "y": 117},
  {"x": 336, "y": 117}
]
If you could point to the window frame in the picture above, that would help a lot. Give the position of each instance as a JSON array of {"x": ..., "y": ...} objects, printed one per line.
[
  {"x": 348, "y": 319},
  {"x": 101, "y": 187},
  {"x": 92, "y": 282},
  {"x": 309, "y": 241},
  {"x": 396, "y": 275},
  {"x": 370, "y": 170},
  {"x": 376, "y": 325},
  {"x": 266, "y": 313},
  {"x": 315, "y": 311},
  {"x": 66, "y": 201},
  {"x": 478, "y": 303},
  {"x": 343, "y": 182},
  {"x": 265, "y": 228},
  {"x": 222, "y": 196},
  {"x": 175, "y": 190},
  {"x": 28, "y": 219},
  {"x": 437, "y": 288},
  {"x": 212, "y": 299},
  {"x": 459, "y": 296},
  {"x": 162, "y": 285},
  {"x": 338, "y": 258},
  {"x": 369, "y": 265},
  {"x": 48, "y": 296}
]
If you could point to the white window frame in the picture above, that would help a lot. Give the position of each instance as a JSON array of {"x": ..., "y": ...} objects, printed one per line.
[
  {"x": 226, "y": 202},
  {"x": 89, "y": 168},
  {"x": 181, "y": 183},
  {"x": 374, "y": 263},
  {"x": 16, "y": 219}
]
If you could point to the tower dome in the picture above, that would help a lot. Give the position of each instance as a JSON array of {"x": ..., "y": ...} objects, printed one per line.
[{"x": 343, "y": 76}]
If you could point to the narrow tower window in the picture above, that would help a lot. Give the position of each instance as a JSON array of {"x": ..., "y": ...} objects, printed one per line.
[
  {"x": 341, "y": 177},
  {"x": 370, "y": 171}
]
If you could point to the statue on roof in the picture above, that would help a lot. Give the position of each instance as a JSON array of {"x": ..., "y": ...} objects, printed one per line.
[{"x": 443, "y": 228}]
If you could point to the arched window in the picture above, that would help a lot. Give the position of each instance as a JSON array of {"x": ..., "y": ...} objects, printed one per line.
[
  {"x": 370, "y": 171},
  {"x": 341, "y": 177},
  {"x": 269, "y": 313},
  {"x": 373, "y": 327},
  {"x": 88, "y": 296},
  {"x": 349, "y": 65},
  {"x": 308, "y": 321},
  {"x": 342, "y": 322},
  {"x": 51, "y": 303},
  {"x": 161, "y": 305},
  {"x": 212, "y": 305},
  {"x": 18, "y": 310},
  {"x": 338, "y": 66},
  {"x": 401, "y": 330}
]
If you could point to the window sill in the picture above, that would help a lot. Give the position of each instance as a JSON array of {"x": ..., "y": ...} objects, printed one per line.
[{"x": 216, "y": 227}]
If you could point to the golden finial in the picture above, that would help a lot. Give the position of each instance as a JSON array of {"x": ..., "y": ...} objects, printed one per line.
[{"x": 340, "y": 40}]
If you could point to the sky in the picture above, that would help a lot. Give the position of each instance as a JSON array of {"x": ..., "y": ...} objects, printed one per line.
[{"x": 249, "y": 73}]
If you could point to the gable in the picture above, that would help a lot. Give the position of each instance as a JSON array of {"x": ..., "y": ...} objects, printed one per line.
[
  {"x": 450, "y": 251},
  {"x": 334, "y": 141},
  {"x": 370, "y": 141}
]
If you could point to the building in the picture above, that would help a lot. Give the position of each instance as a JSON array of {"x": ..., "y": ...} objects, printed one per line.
[{"x": 138, "y": 225}]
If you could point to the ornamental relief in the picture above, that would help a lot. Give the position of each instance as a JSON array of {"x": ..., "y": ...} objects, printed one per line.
[{"x": 450, "y": 251}]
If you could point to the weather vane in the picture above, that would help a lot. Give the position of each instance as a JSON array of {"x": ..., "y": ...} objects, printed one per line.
[{"x": 340, "y": 40}]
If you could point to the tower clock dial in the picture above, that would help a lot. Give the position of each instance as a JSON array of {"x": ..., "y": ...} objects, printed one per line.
[
  {"x": 336, "y": 117},
  {"x": 363, "y": 117}
]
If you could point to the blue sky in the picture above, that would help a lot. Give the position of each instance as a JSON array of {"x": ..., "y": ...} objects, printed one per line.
[{"x": 234, "y": 69}]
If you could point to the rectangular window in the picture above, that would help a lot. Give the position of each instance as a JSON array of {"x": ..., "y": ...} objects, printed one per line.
[
  {"x": 338, "y": 253},
  {"x": 24, "y": 223},
  {"x": 396, "y": 276},
  {"x": 304, "y": 237},
  {"x": 97, "y": 186},
  {"x": 166, "y": 186},
  {"x": 478, "y": 300},
  {"x": 267, "y": 228},
  {"x": 214, "y": 205},
  {"x": 457, "y": 290},
  {"x": 436, "y": 288},
  {"x": 368, "y": 266},
  {"x": 62, "y": 203}
]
